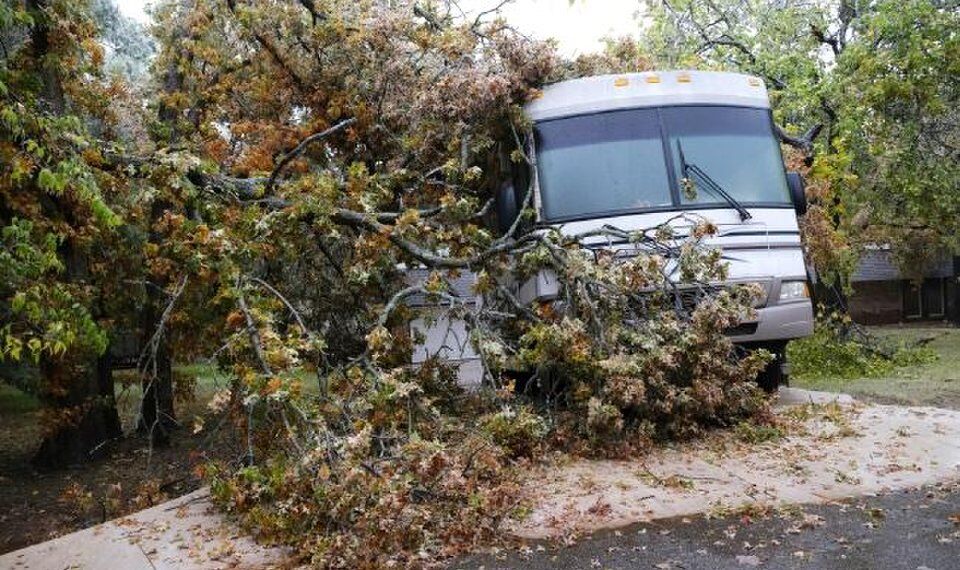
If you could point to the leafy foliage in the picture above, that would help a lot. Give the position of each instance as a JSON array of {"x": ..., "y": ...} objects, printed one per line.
[
  {"x": 834, "y": 352},
  {"x": 128, "y": 46},
  {"x": 62, "y": 208},
  {"x": 43, "y": 311}
]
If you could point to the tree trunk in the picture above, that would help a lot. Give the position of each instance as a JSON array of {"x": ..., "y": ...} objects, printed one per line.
[
  {"x": 83, "y": 413},
  {"x": 953, "y": 292},
  {"x": 79, "y": 394},
  {"x": 157, "y": 417}
]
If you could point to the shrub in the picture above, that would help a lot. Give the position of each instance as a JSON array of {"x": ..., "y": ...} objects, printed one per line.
[{"x": 833, "y": 351}]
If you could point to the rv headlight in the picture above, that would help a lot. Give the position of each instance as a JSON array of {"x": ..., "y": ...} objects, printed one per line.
[{"x": 793, "y": 290}]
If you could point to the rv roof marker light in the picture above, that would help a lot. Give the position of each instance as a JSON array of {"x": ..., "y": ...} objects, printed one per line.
[
  {"x": 684, "y": 78},
  {"x": 754, "y": 82},
  {"x": 652, "y": 79},
  {"x": 621, "y": 82}
]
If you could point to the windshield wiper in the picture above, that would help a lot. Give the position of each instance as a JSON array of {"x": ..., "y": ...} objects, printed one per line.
[{"x": 710, "y": 184}]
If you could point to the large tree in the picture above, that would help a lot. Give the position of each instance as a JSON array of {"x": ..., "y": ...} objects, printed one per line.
[
  {"x": 319, "y": 175},
  {"x": 61, "y": 244}
]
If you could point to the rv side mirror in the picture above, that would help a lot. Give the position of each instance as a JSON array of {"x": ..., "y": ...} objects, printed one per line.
[
  {"x": 507, "y": 210},
  {"x": 797, "y": 194}
]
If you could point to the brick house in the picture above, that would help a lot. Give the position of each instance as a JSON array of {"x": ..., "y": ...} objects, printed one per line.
[{"x": 882, "y": 295}]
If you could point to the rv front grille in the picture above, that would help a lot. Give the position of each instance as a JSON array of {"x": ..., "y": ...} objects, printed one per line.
[
  {"x": 742, "y": 329},
  {"x": 691, "y": 297}
]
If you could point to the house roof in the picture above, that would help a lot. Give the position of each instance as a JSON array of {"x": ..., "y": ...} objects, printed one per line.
[{"x": 878, "y": 264}]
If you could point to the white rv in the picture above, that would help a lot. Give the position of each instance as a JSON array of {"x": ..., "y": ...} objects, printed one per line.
[{"x": 613, "y": 150}]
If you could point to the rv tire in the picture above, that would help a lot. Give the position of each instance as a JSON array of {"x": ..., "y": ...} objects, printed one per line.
[{"x": 774, "y": 375}]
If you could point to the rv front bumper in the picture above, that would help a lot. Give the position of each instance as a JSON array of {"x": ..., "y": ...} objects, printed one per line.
[{"x": 777, "y": 322}]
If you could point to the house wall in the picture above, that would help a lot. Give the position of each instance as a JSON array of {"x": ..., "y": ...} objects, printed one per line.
[
  {"x": 876, "y": 302},
  {"x": 879, "y": 289}
]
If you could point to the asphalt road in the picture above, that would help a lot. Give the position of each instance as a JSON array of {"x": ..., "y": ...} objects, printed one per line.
[{"x": 914, "y": 530}]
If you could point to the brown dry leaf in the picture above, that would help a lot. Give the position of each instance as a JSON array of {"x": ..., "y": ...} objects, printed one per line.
[{"x": 600, "y": 508}]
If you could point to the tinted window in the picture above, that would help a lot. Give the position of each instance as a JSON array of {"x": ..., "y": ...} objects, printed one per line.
[
  {"x": 599, "y": 164},
  {"x": 933, "y": 297},
  {"x": 911, "y": 300},
  {"x": 736, "y": 147}
]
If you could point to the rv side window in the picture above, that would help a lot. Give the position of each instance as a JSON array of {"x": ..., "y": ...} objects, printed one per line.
[{"x": 601, "y": 164}]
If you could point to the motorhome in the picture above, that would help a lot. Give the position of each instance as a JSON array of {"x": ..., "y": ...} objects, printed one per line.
[{"x": 617, "y": 149}]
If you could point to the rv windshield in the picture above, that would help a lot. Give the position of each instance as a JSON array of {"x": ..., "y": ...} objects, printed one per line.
[
  {"x": 601, "y": 164},
  {"x": 736, "y": 146},
  {"x": 614, "y": 163}
]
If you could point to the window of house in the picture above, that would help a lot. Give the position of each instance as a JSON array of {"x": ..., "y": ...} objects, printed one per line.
[
  {"x": 912, "y": 300},
  {"x": 933, "y": 297}
]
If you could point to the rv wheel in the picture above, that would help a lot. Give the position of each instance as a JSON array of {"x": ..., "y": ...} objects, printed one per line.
[{"x": 774, "y": 375}]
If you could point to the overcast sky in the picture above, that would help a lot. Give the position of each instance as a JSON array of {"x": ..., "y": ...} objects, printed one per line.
[{"x": 578, "y": 27}]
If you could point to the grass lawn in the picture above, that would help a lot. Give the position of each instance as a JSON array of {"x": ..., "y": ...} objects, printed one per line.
[
  {"x": 934, "y": 383},
  {"x": 208, "y": 380},
  {"x": 14, "y": 402}
]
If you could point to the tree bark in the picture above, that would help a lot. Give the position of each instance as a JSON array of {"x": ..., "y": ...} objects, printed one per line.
[
  {"x": 157, "y": 413},
  {"x": 953, "y": 292},
  {"x": 79, "y": 395},
  {"x": 157, "y": 417},
  {"x": 86, "y": 414}
]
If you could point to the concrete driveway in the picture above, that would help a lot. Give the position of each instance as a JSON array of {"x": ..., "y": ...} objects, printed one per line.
[{"x": 825, "y": 453}]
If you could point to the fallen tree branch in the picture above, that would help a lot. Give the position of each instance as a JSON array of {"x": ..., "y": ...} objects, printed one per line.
[
  {"x": 301, "y": 147},
  {"x": 803, "y": 142},
  {"x": 252, "y": 332}
]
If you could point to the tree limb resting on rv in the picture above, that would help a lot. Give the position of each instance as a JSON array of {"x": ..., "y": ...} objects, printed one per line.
[{"x": 803, "y": 142}]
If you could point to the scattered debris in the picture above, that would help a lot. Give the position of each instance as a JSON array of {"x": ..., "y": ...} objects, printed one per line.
[{"x": 827, "y": 451}]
